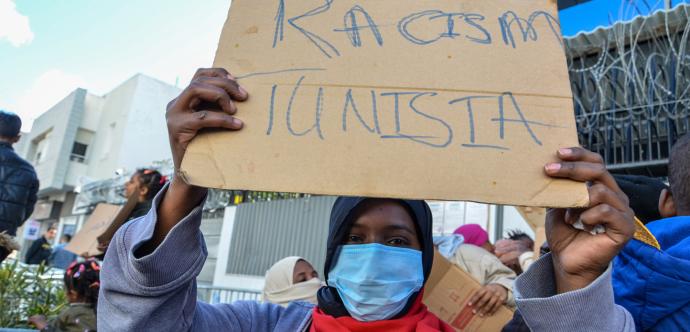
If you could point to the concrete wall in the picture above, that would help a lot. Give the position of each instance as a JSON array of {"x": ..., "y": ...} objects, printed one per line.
[
  {"x": 145, "y": 138},
  {"x": 60, "y": 122},
  {"x": 22, "y": 147},
  {"x": 131, "y": 132},
  {"x": 113, "y": 117}
]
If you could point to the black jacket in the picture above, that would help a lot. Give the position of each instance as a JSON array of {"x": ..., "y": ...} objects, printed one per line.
[
  {"x": 39, "y": 252},
  {"x": 18, "y": 188}
]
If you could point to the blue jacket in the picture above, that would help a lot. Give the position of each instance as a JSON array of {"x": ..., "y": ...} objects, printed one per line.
[
  {"x": 654, "y": 285},
  {"x": 61, "y": 258},
  {"x": 18, "y": 188}
]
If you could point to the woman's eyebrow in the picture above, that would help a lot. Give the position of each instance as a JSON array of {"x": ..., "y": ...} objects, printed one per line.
[{"x": 401, "y": 228}]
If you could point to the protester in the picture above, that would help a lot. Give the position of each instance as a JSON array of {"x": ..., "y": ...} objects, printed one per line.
[
  {"x": 496, "y": 279},
  {"x": 82, "y": 284},
  {"x": 643, "y": 193},
  {"x": 640, "y": 190},
  {"x": 651, "y": 283},
  {"x": 516, "y": 252},
  {"x": 475, "y": 235},
  {"x": 40, "y": 250},
  {"x": 143, "y": 186},
  {"x": 291, "y": 279},
  {"x": 61, "y": 258},
  {"x": 149, "y": 279},
  {"x": 18, "y": 184}
]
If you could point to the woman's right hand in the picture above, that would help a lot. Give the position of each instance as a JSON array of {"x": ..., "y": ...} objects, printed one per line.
[{"x": 208, "y": 102}]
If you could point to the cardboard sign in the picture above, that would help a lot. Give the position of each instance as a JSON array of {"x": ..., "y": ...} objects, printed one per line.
[
  {"x": 443, "y": 99},
  {"x": 447, "y": 293},
  {"x": 119, "y": 219},
  {"x": 539, "y": 239},
  {"x": 85, "y": 241},
  {"x": 535, "y": 217}
]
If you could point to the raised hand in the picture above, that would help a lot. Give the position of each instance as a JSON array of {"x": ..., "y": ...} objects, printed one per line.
[
  {"x": 578, "y": 256},
  {"x": 207, "y": 103}
]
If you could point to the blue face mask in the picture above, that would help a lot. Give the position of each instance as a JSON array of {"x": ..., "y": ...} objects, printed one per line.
[{"x": 375, "y": 281}]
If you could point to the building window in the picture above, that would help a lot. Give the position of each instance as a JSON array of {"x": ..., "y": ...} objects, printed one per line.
[{"x": 78, "y": 152}]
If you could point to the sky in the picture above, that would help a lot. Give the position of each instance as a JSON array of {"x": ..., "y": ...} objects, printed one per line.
[{"x": 49, "y": 48}]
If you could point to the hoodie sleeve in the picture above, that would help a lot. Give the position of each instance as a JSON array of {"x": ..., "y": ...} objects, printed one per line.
[
  {"x": 589, "y": 309},
  {"x": 157, "y": 292}
]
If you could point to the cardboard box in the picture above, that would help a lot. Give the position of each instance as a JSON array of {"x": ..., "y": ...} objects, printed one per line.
[{"x": 447, "y": 293}]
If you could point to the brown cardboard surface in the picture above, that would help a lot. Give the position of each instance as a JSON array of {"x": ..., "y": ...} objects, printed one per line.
[
  {"x": 535, "y": 217},
  {"x": 447, "y": 293},
  {"x": 380, "y": 98},
  {"x": 540, "y": 238},
  {"x": 119, "y": 219},
  {"x": 85, "y": 241}
]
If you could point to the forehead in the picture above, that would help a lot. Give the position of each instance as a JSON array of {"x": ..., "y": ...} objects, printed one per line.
[
  {"x": 379, "y": 213},
  {"x": 302, "y": 266}
]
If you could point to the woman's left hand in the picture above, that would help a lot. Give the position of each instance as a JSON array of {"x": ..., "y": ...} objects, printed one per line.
[
  {"x": 579, "y": 257},
  {"x": 488, "y": 299}
]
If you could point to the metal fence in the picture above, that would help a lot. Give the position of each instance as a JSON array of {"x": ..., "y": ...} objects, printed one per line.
[
  {"x": 215, "y": 295},
  {"x": 631, "y": 86}
]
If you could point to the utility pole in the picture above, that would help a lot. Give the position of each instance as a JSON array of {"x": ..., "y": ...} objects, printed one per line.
[{"x": 668, "y": 3}]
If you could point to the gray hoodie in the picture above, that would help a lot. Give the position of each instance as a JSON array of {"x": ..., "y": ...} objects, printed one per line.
[{"x": 158, "y": 292}]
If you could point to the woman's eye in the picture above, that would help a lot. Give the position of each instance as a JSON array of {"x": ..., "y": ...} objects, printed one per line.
[
  {"x": 354, "y": 239},
  {"x": 398, "y": 242}
]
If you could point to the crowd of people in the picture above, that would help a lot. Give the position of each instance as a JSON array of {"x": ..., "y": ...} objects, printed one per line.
[{"x": 379, "y": 252}]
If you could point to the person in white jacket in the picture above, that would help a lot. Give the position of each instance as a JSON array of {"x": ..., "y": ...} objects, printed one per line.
[{"x": 496, "y": 278}]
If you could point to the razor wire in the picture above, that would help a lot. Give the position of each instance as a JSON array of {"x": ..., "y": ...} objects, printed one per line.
[{"x": 632, "y": 90}]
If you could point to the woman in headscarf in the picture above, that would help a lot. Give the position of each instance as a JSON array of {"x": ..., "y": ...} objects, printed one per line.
[
  {"x": 291, "y": 279},
  {"x": 379, "y": 253}
]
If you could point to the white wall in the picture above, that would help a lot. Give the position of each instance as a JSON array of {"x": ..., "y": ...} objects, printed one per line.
[
  {"x": 92, "y": 113},
  {"x": 512, "y": 220},
  {"x": 54, "y": 121},
  {"x": 221, "y": 278},
  {"x": 450, "y": 215},
  {"x": 104, "y": 159},
  {"x": 145, "y": 136}
]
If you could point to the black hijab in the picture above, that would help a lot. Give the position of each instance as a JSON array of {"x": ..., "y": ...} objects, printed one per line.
[{"x": 342, "y": 219}]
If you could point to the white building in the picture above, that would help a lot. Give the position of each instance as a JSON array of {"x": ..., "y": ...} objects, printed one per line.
[{"x": 86, "y": 137}]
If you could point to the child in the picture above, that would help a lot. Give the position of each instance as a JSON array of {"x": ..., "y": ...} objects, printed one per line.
[
  {"x": 82, "y": 283},
  {"x": 649, "y": 282}
]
